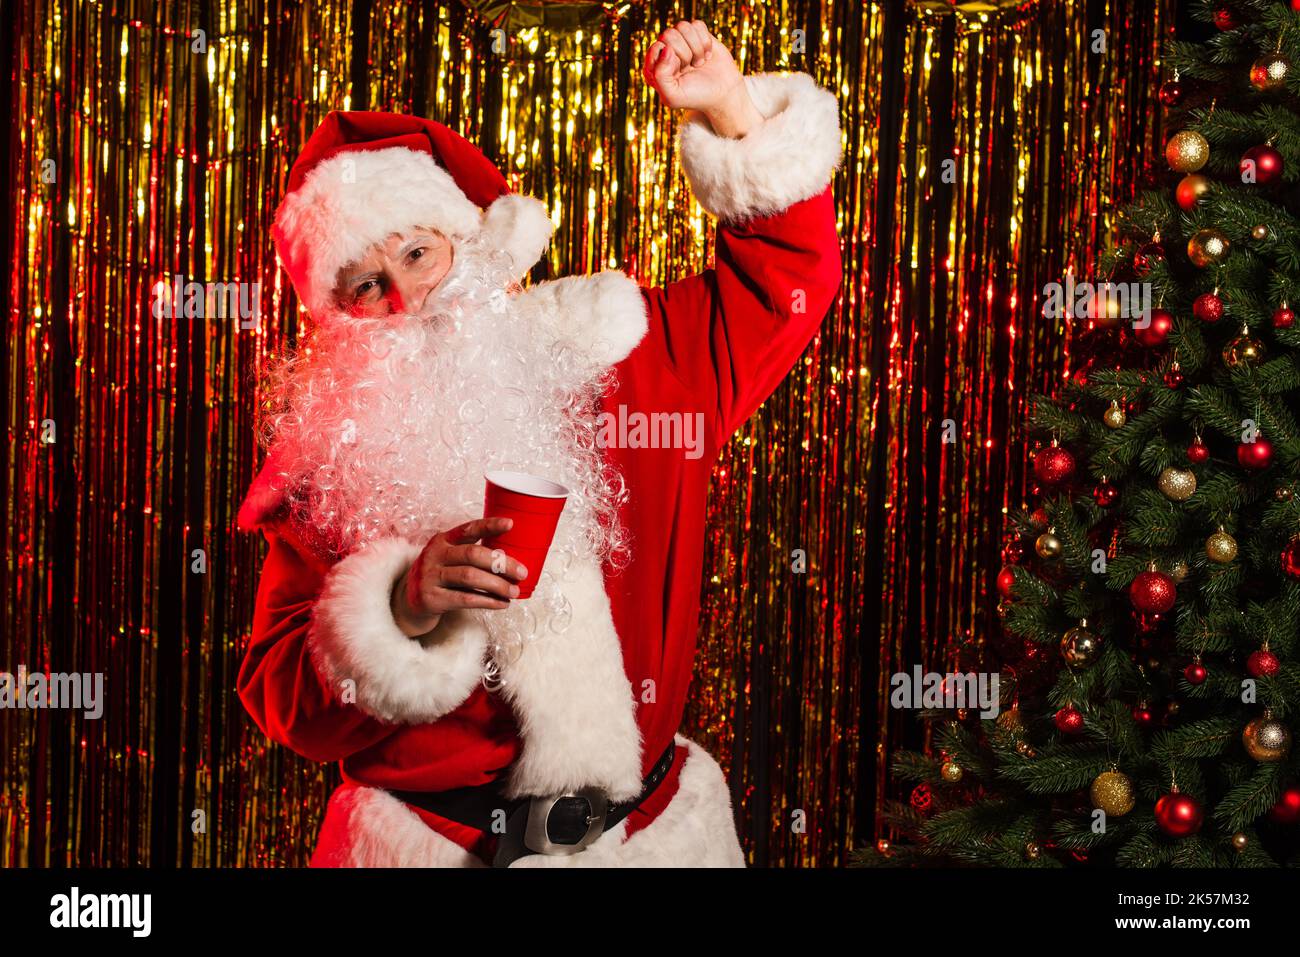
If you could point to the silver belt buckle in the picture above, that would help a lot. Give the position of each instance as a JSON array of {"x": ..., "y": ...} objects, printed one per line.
[{"x": 538, "y": 839}]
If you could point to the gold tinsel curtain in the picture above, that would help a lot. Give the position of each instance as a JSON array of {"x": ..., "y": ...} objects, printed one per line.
[{"x": 153, "y": 139}]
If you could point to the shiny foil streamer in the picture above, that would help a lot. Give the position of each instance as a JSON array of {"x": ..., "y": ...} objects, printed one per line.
[{"x": 150, "y": 140}]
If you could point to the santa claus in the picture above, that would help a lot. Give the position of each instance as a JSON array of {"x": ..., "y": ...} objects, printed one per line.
[{"x": 475, "y": 727}]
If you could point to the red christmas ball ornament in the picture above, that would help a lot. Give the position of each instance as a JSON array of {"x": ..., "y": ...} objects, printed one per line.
[
  {"x": 1174, "y": 377},
  {"x": 1143, "y": 716},
  {"x": 1198, "y": 452},
  {"x": 1157, "y": 331},
  {"x": 1006, "y": 579},
  {"x": 1257, "y": 455},
  {"x": 1172, "y": 93},
  {"x": 1208, "y": 307},
  {"x": 1287, "y": 808},
  {"x": 1179, "y": 815},
  {"x": 1039, "y": 516},
  {"x": 1146, "y": 258},
  {"x": 921, "y": 797},
  {"x": 1290, "y": 559},
  {"x": 1153, "y": 593},
  {"x": 1189, "y": 192},
  {"x": 1263, "y": 664},
  {"x": 1284, "y": 318},
  {"x": 1105, "y": 494},
  {"x": 1225, "y": 19},
  {"x": 1261, "y": 164},
  {"x": 1053, "y": 465},
  {"x": 1195, "y": 673},
  {"x": 1069, "y": 720},
  {"x": 1014, "y": 551}
]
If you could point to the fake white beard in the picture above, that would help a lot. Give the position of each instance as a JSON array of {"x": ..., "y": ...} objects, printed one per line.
[{"x": 385, "y": 427}]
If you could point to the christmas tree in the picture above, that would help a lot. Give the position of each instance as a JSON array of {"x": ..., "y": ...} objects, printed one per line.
[{"x": 1151, "y": 598}]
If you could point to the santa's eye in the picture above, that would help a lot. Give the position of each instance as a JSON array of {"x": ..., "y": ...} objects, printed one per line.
[
  {"x": 416, "y": 253},
  {"x": 363, "y": 289}
]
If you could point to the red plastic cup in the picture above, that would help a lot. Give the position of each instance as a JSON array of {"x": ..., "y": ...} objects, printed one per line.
[{"x": 535, "y": 505}]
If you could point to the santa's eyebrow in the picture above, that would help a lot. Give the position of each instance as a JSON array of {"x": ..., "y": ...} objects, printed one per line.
[
  {"x": 350, "y": 279},
  {"x": 418, "y": 240}
]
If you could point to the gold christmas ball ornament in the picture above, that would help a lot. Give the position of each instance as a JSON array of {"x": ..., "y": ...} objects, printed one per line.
[
  {"x": 1032, "y": 850},
  {"x": 1177, "y": 485},
  {"x": 1114, "y": 417},
  {"x": 1026, "y": 749},
  {"x": 1179, "y": 570},
  {"x": 1245, "y": 349},
  {"x": 1047, "y": 545},
  {"x": 1208, "y": 247},
  {"x": 951, "y": 772},
  {"x": 1260, "y": 232},
  {"x": 1283, "y": 493},
  {"x": 1010, "y": 721},
  {"x": 1080, "y": 647},
  {"x": 1112, "y": 791},
  {"x": 1221, "y": 547},
  {"x": 1270, "y": 72},
  {"x": 1266, "y": 739},
  {"x": 1240, "y": 841},
  {"x": 1187, "y": 151}
]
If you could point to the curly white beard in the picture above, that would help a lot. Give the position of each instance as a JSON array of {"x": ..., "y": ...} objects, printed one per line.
[{"x": 385, "y": 427}]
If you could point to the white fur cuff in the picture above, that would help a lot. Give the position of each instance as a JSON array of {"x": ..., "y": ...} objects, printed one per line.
[
  {"x": 789, "y": 158},
  {"x": 366, "y": 658}
]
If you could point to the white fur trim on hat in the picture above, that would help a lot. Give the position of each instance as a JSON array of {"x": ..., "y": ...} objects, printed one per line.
[
  {"x": 354, "y": 638},
  {"x": 520, "y": 226},
  {"x": 790, "y": 157},
  {"x": 358, "y": 198},
  {"x": 355, "y": 199}
]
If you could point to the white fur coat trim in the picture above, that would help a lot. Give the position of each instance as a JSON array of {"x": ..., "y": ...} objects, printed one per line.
[
  {"x": 789, "y": 158},
  {"x": 368, "y": 827},
  {"x": 601, "y": 317},
  {"x": 359, "y": 197},
  {"x": 357, "y": 646},
  {"x": 573, "y": 701}
]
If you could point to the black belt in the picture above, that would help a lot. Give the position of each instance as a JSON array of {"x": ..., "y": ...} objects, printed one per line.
[{"x": 564, "y": 824}]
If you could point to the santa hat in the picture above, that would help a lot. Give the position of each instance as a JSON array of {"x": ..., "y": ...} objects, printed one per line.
[{"x": 363, "y": 176}]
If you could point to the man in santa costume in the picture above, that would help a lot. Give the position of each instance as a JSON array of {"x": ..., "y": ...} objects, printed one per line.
[{"x": 473, "y": 727}]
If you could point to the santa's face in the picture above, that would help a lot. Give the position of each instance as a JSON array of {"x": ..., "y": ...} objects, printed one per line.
[{"x": 395, "y": 276}]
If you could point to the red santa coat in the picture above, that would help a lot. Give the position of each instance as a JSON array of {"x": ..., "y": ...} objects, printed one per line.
[{"x": 716, "y": 346}]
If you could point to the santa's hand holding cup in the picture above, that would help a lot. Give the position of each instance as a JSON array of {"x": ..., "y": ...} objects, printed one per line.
[
  {"x": 443, "y": 576},
  {"x": 521, "y": 512}
]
